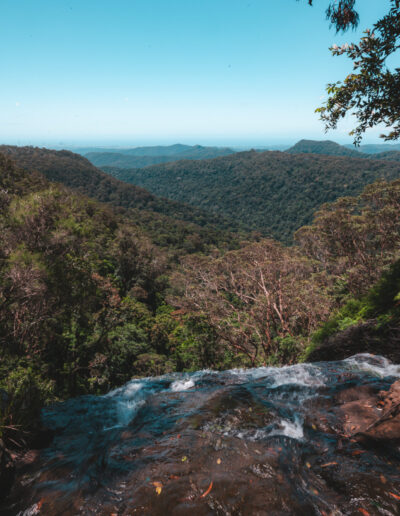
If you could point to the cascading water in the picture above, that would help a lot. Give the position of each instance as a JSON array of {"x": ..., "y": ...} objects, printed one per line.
[{"x": 263, "y": 441}]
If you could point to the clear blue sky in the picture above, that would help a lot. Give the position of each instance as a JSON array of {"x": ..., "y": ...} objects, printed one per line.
[{"x": 134, "y": 72}]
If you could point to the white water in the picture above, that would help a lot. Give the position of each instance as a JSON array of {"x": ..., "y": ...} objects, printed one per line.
[{"x": 132, "y": 396}]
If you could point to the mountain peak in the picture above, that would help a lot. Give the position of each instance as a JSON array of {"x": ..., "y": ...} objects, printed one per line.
[{"x": 323, "y": 147}]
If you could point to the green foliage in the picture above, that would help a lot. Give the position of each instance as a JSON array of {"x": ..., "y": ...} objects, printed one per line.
[
  {"x": 380, "y": 303},
  {"x": 152, "y": 364},
  {"x": 287, "y": 350},
  {"x": 169, "y": 224},
  {"x": 82, "y": 301},
  {"x": 274, "y": 193},
  {"x": 24, "y": 391},
  {"x": 370, "y": 92}
]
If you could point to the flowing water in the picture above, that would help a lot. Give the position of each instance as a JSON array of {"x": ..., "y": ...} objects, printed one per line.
[{"x": 262, "y": 441}]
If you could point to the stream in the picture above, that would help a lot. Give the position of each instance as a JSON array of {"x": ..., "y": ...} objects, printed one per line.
[{"x": 265, "y": 441}]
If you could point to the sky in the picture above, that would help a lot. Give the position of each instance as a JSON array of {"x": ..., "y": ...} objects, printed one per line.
[{"x": 138, "y": 72}]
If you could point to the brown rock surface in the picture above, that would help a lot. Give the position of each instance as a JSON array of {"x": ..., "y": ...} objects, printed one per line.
[{"x": 376, "y": 416}]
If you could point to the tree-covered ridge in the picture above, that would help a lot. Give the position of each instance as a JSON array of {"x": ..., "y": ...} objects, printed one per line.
[
  {"x": 322, "y": 147},
  {"x": 186, "y": 151},
  {"x": 272, "y": 192},
  {"x": 170, "y": 224},
  {"x": 330, "y": 148},
  {"x": 389, "y": 155},
  {"x": 145, "y": 156}
]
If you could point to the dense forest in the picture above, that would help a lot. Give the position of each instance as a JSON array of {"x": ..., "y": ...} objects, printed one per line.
[
  {"x": 267, "y": 301},
  {"x": 169, "y": 224},
  {"x": 88, "y": 301},
  {"x": 82, "y": 300},
  {"x": 274, "y": 193}
]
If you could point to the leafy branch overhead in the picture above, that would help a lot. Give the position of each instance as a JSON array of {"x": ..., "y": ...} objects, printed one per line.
[{"x": 371, "y": 91}]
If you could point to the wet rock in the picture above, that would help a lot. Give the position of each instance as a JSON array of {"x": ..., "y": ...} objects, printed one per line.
[
  {"x": 7, "y": 471},
  {"x": 359, "y": 393},
  {"x": 262, "y": 442},
  {"x": 372, "y": 415},
  {"x": 365, "y": 337},
  {"x": 387, "y": 426}
]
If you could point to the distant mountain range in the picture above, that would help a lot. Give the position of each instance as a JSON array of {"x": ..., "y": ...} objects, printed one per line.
[
  {"x": 386, "y": 152},
  {"x": 377, "y": 148},
  {"x": 140, "y": 157},
  {"x": 143, "y": 156}
]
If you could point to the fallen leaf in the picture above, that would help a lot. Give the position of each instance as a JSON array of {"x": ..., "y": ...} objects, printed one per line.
[
  {"x": 383, "y": 479},
  {"x": 358, "y": 452},
  {"x": 308, "y": 465},
  {"x": 363, "y": 511},
  {"x": 158, "y": 486},
  {"x": 174, "y": 477},
  {"x": 184, "y": 458},
  {"x": 313, "y": 427},
  {"x": 329, "y": 464},
  {"x": 208, "y": 490},
  {"x": 219, "y": 461},
  {"x": 395, "y": 496}
]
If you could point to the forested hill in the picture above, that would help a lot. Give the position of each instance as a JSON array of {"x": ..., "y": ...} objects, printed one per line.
[
  {"x": 144, "y": 156},
  {"x": 392, "y": 155},
  {"x": 389, "y": 152},
  {"x": 323, "y": 147},
  {"x": 169, "y": 223},
  {"x": 272, "y": 192}
]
